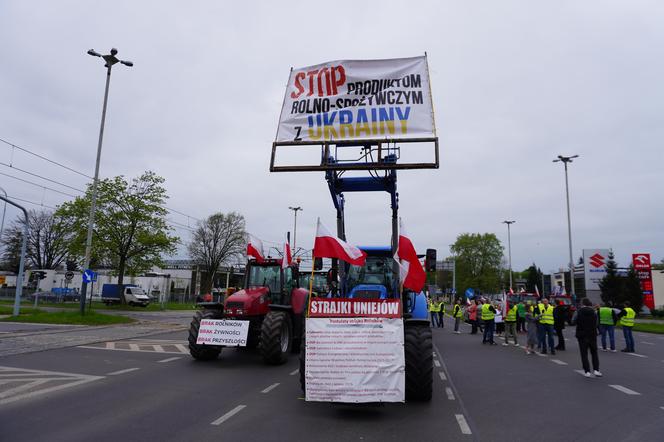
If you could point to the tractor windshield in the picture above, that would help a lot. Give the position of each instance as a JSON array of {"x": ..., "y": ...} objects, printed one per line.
[
  {"x": 376, "y": 271},
  {"x": 265, "y": 276}
]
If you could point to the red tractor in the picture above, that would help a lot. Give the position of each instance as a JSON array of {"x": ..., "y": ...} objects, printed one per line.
[{"x": 271, "y": 302}]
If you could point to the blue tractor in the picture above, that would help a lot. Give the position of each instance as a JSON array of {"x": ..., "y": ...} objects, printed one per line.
[{"x": 379, "y": 279}]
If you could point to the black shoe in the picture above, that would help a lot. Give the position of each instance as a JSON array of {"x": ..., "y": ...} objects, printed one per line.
[
  {"x": 493, "y": 343},
  {"x": 553, "y": 352}
]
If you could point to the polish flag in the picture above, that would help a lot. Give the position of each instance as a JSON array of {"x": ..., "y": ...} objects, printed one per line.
[
  {"x": 410, "y": 264},
  {"x": 327, "y": 245},
  {"x": 511, "y": 291},
  {"x": 287, "y": 257},
  {"x": 536, "y": 291},
  {"x": 255, "y": 248}
]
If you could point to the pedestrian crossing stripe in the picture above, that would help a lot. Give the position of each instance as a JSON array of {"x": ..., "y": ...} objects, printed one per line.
[{"x": 144, "y": 346}]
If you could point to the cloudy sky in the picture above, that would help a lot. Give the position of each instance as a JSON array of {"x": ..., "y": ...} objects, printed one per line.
[{"x": 515, "y": 83}]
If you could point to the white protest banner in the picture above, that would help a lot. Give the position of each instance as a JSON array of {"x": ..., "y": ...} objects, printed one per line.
[
  {"x": 355, "y": 360},
  {"x": 223, "y": 332},
  {"x": 358, "y": 100}
]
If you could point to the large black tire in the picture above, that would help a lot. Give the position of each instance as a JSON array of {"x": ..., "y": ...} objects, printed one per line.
[
  {"x": 276, "y": 337},
  {"x": 202, "y": 352},
  {"x": 419, "y": 362}
]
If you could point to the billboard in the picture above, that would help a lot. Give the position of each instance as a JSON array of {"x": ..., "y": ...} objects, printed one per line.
[
  {"x": 358, "y": 100},
  {"x": 594, "y": 267},
  {"x": 641, "y": 262}
]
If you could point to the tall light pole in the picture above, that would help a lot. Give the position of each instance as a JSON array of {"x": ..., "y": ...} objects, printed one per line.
[
  {"x": 509, "y": 247},
  {"x": 4, "y": 210},
  {"x": 295, "y": 209},
  {"x": 565, "y": 160},
  {"x": 110, "y": 60}
]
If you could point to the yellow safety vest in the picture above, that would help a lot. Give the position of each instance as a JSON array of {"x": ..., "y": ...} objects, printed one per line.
[
  {"x": 628, "y": 319},
  {"x": 487, "y": 315},
  {"x": 434, "y": 307},
  {"x": 547, "y": 314},
  {"x": 511, "y": 314},
  {"x": 457, "y": 311},
  {"x": 606, "y": 316}
]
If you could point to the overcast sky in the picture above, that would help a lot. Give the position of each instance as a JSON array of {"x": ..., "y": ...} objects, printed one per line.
[{"x": 514, "y": 83}]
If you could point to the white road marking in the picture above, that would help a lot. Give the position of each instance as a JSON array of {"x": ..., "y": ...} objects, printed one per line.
[
  {"x": 126, "y": 349},
  {"x": 182, "y": 348},
  {"x": 158, "y": 348},
  {"x": 436, "y": 363},
  {"x": 134, "y": 347},
  {"x": 647, "y": 343},
  {"x": 28, "y": 386},
  {"x": 270, "y": 388},
  {"x": 625, "y": 390},
  {"x": 228, "y": 415},
  {"x": 294, "y": 372},
  {"x": 540, "y": 354},
  {"x": 662, "y": 408},
  {"x": 40, "y": 377},
  {"x": 637, "y": 355},
  {"x": 126, "y": 370},
  {"x": 558, "y": 361},
  {"x": 110, "y": 345},
  {"x": 442, "y": 376},
  {"x": 463, "y": 425},
  {"x": 450, "y": 393},
  {"x": 170, "y": 359}
]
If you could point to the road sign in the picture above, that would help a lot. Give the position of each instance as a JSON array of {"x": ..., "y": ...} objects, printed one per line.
[
  {"x": 470, "y": 293},
  {"x": 69, "y": 276},
  {"x": 89, "y": 276}
]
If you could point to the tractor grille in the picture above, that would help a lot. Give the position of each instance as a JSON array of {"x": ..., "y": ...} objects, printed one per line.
[
  {"x": 367, "y": 294},
  {"x": 230, "y": 305}
]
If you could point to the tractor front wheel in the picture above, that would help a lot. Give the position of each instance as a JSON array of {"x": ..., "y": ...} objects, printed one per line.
[
  {"x": 202, "y": 352},
  {"x": 419, "y": 362},
  {"x": 276, "y": 337}
]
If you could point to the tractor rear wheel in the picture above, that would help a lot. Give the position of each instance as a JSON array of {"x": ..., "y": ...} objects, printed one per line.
[
  {"x": 276, "y": 337},
  {"x": 202, "y": 352},
  {"x": 419, "y": 362}
]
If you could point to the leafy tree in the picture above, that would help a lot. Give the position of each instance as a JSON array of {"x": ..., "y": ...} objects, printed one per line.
[
  {"x": 215, "y": 241},
  {"x": 48, "y": 240},
  {"x": 611, "y": 286},
  {"x": 632, "y": 290},
  {"x": 533, "y": 277},
  {"x": 130, "y": 230},
  {"x": 478, "y": 260}
]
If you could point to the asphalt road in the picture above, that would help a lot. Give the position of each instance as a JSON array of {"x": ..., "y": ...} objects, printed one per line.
[{"x": 149, "y": 388}]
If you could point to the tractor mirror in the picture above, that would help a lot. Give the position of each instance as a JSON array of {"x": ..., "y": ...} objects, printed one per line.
[{"x": 318, "y": 263}]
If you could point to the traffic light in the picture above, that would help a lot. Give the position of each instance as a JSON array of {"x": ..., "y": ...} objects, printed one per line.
[
  {"x": 318, "y": 263},
  {"x": 430, "y": 261}
]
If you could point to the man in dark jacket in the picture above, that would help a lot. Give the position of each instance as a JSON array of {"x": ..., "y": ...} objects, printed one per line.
[
  {"x": 586, "y": 333},
  {"x": 559, "y": 318}
]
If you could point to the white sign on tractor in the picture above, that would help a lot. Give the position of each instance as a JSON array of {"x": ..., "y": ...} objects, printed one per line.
[{"x": 226, "y": 332}]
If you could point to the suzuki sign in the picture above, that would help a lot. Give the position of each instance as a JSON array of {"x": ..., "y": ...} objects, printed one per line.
[{"x": 594, "y": 266}]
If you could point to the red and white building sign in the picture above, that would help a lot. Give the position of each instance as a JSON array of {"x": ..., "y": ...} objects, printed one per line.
[{"x": 641, "y": 262}]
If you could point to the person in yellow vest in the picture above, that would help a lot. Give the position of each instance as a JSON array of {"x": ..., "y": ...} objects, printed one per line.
[
  {"x": 547, "y": 321},
  {"x": 488, "y": 315},
  {"x": 510, "y": 325},
  {"x": 433, "y": 310},
  {"x": 457, "y": 314},
  {"x": 441, "y": 312},
  {"x": 627, "y": 315},
  {"x": 607, "y": 322}
]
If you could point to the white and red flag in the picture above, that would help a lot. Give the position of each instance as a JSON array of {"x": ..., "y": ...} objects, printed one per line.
[
  {"x": 327, "y": 245},
  {"x": 411, "y": 270},
  {"x": 511, "y": 291},
  {"x": 536, "y": 291},
  {"x": 287, "y": 257},
  {"x": 255, "y": 248}
]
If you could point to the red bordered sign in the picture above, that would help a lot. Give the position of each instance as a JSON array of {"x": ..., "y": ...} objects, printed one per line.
[{"x": 349, "y": 308}]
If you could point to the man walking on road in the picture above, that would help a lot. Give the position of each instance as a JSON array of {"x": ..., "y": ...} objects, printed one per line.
[
  {"x": 586, "y": 333},
  {"x": 607, "y": 322},
  {"x": 488, "y": 315},
  {"x": 559, "y": 318},
  {"x": 510, "y": 325},
  {"x": 627, "y": 316},
  {"x": 546, "y": 321},
  {"x": 457, "y": 313}
]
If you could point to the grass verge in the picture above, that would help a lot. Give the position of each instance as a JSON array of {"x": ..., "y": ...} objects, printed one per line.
[
  {"x": 155, "y": 307},
  {"x": 75, "y": 318},
  {"x": 649, "y": 328}
]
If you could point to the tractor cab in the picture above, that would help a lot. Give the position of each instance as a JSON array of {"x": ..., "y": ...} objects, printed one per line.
[{"x": 374, "y": 280}]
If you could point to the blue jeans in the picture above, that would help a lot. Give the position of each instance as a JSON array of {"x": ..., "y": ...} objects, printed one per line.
[
  {"x": 434, "y": 319},
  {"x": 488, "y": 331},
  {"x": 547, "y": 332},
  {"x": 629, "y": 339},
  {"x": 540, "y": 335},
  {"x": 608, "y": 329}
]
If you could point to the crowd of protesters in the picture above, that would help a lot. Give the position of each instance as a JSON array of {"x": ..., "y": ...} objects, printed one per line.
[{"x": 539, "y": 322}]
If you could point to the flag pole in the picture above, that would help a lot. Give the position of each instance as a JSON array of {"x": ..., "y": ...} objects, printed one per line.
[{"x": 311, "y": 278}]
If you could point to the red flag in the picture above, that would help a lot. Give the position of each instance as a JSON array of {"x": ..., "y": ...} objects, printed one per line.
[
  {"x": 327, "y": 245},
  {"x": 415, "y": 275},
  {"x": 287, "y": 259},
  {"x": 255, "y": 247},
  {"x": 511, "y": 291}
]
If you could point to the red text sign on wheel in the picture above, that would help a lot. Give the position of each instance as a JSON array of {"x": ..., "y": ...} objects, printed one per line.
[{"x": 348, "y": 308}]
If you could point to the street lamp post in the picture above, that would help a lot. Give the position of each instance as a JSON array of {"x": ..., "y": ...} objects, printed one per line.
[
  {"x": 110, "y": 60},
  {"x": 4, "y": 210},
  {"x": 565, "y": 160},
  {"x": 295, "y": 209},
  {"x": 509, "y": 248}
]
